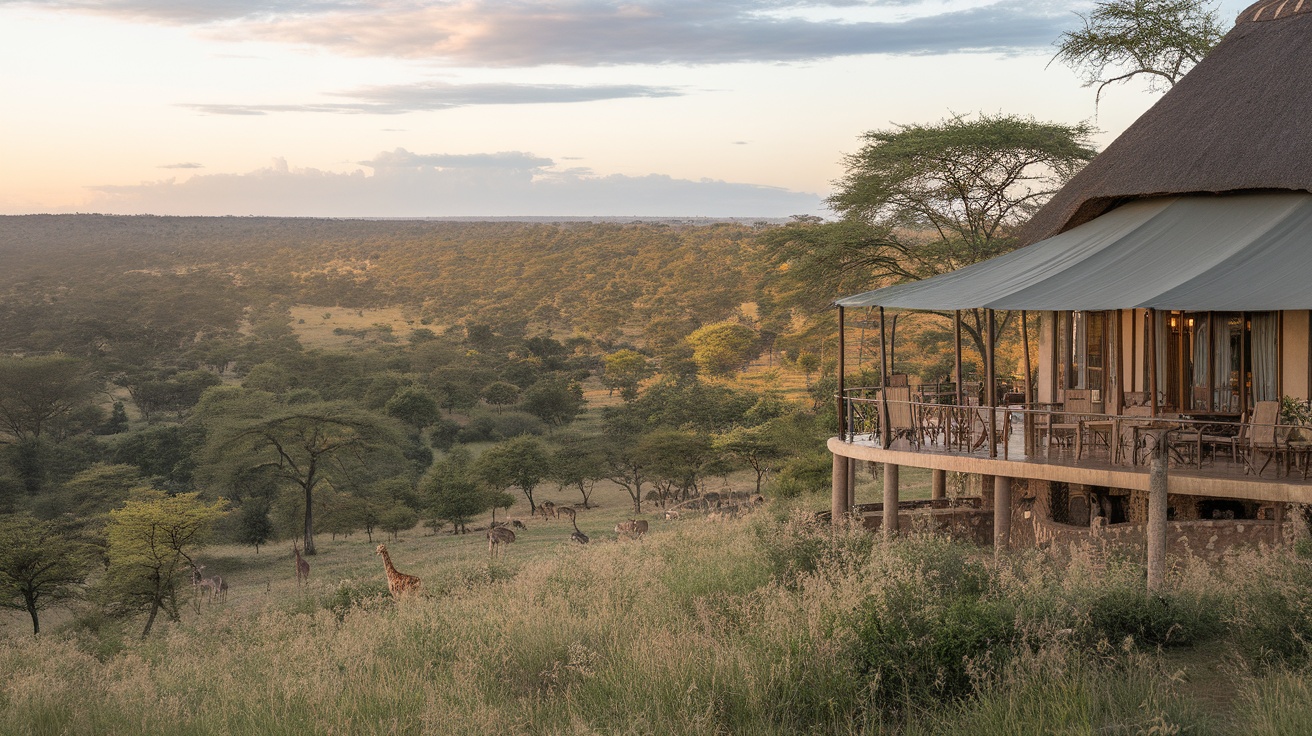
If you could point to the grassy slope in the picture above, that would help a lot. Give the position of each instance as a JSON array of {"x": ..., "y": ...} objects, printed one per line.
[{"x": 701, "y": 628}]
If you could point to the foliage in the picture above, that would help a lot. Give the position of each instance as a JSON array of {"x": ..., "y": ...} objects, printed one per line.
[
  {"x": 455, "y": 493},
  {"x": 398, "y": 518},
  {"x": 757, "y": 447},
  {"x": 724, "y": 347},
  {"x": 521, "y": 462},
  {"x": 1295, "y": 412},
  {"x": 253, "y": 524},
  {"x": 1123, "y": 39},
  {"x": 305, "y": 445},
  {"x": 498, "y": 427},
  {"x": 41, "y": 564},
  {"x": 921, "y": 200},
  {"x": 624, "y": 370},
  {"x": 501, "y": 394},
  {"x": 36, "y": 391},
  {"x": 414, "y": 406},
  {"x": 577, "y": 463},
  {"x": 152, "y": 540},
  {"x": 555, "y": 401}
]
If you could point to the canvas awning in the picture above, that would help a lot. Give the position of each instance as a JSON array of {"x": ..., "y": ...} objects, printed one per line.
[{"x": 1246, "y": 252}]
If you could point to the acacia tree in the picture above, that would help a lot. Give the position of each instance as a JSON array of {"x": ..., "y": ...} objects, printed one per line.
[
  {"x": 577, "y": 464},
  {"x": 921, "y": 200},
  {"x": 1123, "y": 39},
  {"x": 755, "y": 446},
  {"x": 151, "y": 542},
  {"x": 624, "y": 370},
  {"x": 36, "y": 391},
  {"x": 40, "y": 565},
  {"x": 521, "y": 462},
  {"x": 307, "y": 445}
]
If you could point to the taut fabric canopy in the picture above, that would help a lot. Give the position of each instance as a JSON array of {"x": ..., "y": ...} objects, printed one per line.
[{"x": 1245, "y": 252}]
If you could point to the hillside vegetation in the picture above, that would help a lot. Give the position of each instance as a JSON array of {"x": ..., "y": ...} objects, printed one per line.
[{"x": 771, "y": 624}]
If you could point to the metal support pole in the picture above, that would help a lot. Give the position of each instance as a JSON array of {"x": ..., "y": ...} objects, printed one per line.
[
  {"x": 1001, "y": 513},
  {"x": 890, "y": 500}
]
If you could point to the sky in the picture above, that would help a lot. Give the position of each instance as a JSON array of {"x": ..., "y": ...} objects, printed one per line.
[{"x": 428, "y": 108}]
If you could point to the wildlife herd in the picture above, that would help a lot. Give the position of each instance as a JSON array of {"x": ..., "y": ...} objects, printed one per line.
[{"x": 500, "y": 535}]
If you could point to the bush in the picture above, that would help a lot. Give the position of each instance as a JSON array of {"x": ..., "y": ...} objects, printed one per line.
[
  {"x": 916, "y": 647},
  {"x": 1156, "y": 620},
  {"x": 808, "y": 473},
  {"x": 498, "y": 427}
]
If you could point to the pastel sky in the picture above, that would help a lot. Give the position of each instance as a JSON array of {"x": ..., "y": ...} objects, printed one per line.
[{"x": 412, "y": 108}]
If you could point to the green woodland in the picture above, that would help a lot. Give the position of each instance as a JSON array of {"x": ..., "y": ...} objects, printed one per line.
[{"x": 207, "y": 425}]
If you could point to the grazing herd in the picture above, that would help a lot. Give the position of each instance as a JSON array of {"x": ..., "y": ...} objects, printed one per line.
[{"x": 499, "y": 536}]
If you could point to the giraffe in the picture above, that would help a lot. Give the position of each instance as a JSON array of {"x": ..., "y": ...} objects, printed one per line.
[
  {"x": 302, "y": 566},
  {"x": 397, "y": 582},
  {"x": 498, "y": 538},
  {"x": 565, "y": 511}
]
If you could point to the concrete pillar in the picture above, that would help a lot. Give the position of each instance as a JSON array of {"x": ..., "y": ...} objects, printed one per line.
[
  {"x": 838, "y": 501},
  {"x": 1157, "y": 516},
  {"x": 939, "y": 488},
  {"x": 890, "y": 500},
  {"x": 1001, "y": 513},
  {"x": 1278, "y": 537},
  {"x": 851, "y": 483}
]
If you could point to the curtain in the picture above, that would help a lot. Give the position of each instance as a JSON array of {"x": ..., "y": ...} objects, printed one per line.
[
  {"x": 1163, "y": 357},
  {"x": 1080, "y": 338},
  {"x": 1222, "y": 363},
  {"x": 1266, "y": 326},
  {"x": 1200, "y": 356}
]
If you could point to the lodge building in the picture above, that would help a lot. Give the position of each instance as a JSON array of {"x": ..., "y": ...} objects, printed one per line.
[{"x": 1171, "y": 281}]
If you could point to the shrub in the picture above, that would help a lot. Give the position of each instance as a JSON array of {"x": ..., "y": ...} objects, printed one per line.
[
  {"x": 498, "y": 427},
  {"x": 1156, "y": 620}
]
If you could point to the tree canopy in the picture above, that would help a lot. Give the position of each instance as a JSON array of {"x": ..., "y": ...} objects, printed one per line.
[{"x": 1124, "y": 39}]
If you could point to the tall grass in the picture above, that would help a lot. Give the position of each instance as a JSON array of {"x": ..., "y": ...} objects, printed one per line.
[{"x": 760, "y": 626}]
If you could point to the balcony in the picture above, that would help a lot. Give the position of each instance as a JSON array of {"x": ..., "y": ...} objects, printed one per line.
[{"x": 1207, "y": 454}]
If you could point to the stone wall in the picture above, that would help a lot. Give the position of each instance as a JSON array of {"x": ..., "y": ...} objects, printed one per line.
[
  {"x": 961, "y": 522},
  {"x": 1208, "y": 539}
]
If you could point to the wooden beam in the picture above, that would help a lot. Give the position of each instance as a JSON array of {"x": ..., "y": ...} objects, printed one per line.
[
  {"x": 956, "y": 342},
  {"x": 884, "y": 434},
  {"x": 1152, "y": 359},
  {"x": 842, "y": 374}
]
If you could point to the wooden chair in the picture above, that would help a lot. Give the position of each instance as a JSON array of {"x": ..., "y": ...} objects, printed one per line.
[
  {"x": 1263, "y": 439},
  {"x": 901, "y": 415},
  {"x": 1133, "y": 419},
  {"x": 1065, "y": 429},
  {"x": 1217, "y": 440}
]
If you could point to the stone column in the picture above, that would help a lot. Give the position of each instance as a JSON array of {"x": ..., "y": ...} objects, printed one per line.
[
  {"x": 851, "y": 483},
  {"x": 939, "y": 488},
  {"x": 1157, "y": 515},
  {"x": 890, "y": 500},
  {"x": 1001, "y": 513},
  {"x": 838, "y": 500}
]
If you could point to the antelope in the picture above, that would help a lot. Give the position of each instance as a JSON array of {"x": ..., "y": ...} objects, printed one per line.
[
  {"x": 547, "y": 509},
  {"x": 636, "y": 528},
  {"x": 566, "y": 511},
  {"x": 498, "y": 538}
]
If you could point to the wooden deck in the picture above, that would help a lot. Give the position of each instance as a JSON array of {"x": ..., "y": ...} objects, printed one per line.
[{"x": 1219, "y": 476}]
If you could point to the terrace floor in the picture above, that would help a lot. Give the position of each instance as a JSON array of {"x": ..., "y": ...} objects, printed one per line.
[{"x": 1218, "y": 475}]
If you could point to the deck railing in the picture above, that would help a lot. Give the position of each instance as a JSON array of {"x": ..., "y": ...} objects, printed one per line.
[{"x": 1059, "y": 434}]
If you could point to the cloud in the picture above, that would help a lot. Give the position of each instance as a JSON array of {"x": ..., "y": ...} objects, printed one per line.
[
  {"x": 403, "y": 98},
  {"x": 442, "y": 185},
  {"x": 188, "y": 165},
  {"x": 609, "y": 32}
]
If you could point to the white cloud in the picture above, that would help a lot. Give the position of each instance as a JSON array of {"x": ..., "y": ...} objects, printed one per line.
[
  {"x": 439, "y": 185},
  {"x": 607, "y": 32},
  {"x": 403, "y": 98}
]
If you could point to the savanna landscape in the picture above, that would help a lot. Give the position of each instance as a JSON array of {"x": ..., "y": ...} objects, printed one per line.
[{"x": 568, "y": 475}]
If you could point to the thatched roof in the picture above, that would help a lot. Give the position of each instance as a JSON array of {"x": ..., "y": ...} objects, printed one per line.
[{"x": 1238, "y": 121}]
